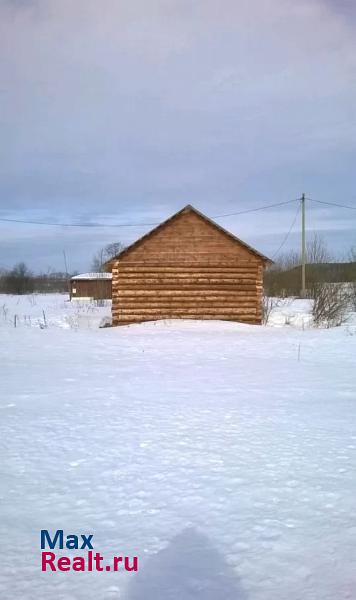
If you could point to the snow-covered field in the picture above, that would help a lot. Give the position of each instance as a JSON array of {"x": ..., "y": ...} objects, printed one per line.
[
  {"x": 222, "y": 455},
  {"x": 52, "y": 310}
]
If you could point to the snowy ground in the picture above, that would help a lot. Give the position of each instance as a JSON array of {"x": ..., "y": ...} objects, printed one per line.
[
  {"x": 51, "y": 310},
  {"x": 223, "y": 455}
]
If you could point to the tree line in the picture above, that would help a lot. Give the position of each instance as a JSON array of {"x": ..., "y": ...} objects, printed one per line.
[
  {"x": 283, "y": 278},
  {"x": 330, "y": 285},
  {"x": 22, "y": 280}
]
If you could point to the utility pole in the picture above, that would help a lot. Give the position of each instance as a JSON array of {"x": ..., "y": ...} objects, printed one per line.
[
  {"x": 65, "y": 262},
  {"x": 67, "y": 274},
  {"x": 303, "y": 291}
]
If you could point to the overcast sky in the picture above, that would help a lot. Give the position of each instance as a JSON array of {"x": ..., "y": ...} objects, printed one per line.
[{"x": 120, "y": 111}]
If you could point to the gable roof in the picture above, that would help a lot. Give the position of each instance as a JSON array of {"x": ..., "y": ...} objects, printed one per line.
[
  {"x": 187, "y": 208},
  {"x": 90, "y": 276}
]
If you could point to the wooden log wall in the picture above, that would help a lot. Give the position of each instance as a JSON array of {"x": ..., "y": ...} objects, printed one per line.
[
  {"x": 98, "y": 289},
  {"x": 188, "y": 270},
  {"x": 144, "y": 292}
]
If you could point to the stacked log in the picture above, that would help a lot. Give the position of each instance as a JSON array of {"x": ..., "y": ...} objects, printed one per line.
[{"x": 229, "y": 291}]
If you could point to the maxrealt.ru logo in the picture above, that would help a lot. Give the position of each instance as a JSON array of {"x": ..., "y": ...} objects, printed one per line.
[{"x": 90, "y": 561}]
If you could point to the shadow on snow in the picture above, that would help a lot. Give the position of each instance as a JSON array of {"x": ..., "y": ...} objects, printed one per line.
[{"x": 189, "y": 568}]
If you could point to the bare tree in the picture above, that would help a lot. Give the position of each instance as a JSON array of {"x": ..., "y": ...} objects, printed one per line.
[
  {"x": 352, "y": 260},
  {"x": 352, "y": 254},
  {"x": 98, "y": 261},
  {"x": 288, "y": 260},
  {"x": 19, "y": 280},
  {"x": 113, "y": 249},
  {"x": 105, "y": 254},
  {"x": 268, "y": 305},
  {"x": 282, "y": 278},
  {"x": 317, "y": 255},
  {"x": 317, "y": 251}
]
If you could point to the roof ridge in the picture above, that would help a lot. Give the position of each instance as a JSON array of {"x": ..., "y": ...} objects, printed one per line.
[{"x": 186, "y": 208}]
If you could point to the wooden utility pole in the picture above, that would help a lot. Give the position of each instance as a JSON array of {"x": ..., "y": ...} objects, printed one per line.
[
  {"x": 67, "y": 274},
  {"x": 303, "y": 291}
]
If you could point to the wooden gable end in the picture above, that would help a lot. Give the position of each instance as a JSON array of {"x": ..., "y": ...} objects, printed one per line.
[{"x": 189, "y": 237}]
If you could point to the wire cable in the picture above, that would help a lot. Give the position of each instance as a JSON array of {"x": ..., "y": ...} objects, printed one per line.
[
  {"x": 332, "y": 204},
  {"x": 287, "y": 234},
  {"x": 243, "y": 212},
  {"x": 111, "y": 225},
  {"x": 49, "y": 224}
]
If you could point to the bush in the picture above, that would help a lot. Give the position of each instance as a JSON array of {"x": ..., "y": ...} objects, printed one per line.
[
  {"x": 268, "y": 305},
  {"x": 331, "y": 304},
  {"x": 353, "y": 295}
]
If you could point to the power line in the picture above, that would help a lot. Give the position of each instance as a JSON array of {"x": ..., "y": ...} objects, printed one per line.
[
  {"x": 152, "y": 224},
  {"x": 49, "y": 224},
  {"x": 111, "y": 225},
  {"x": 332, "y": 204},
  {"x": 288, "y": 233},
  {"x": 243, "y": 212}
]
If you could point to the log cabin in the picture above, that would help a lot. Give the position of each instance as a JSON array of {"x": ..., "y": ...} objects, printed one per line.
[
  {"x": 90, "y": 286},
  {"x": 188, "y": 267}
]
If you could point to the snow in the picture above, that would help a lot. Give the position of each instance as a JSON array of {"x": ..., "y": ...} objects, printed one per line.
[
  {"x": 93, "y": 276},
  {"x": 52, "y": 310},
  {"x": 222, "y": 455},
  {"x": 291, "y": 311}
]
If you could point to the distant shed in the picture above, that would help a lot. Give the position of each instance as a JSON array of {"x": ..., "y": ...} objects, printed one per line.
[
  {"x": 91, "y": 286},
  {"x": 187, "y": 268}
]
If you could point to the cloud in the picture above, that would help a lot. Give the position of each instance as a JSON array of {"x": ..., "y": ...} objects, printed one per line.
[{"x": 122, "y": 107}]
